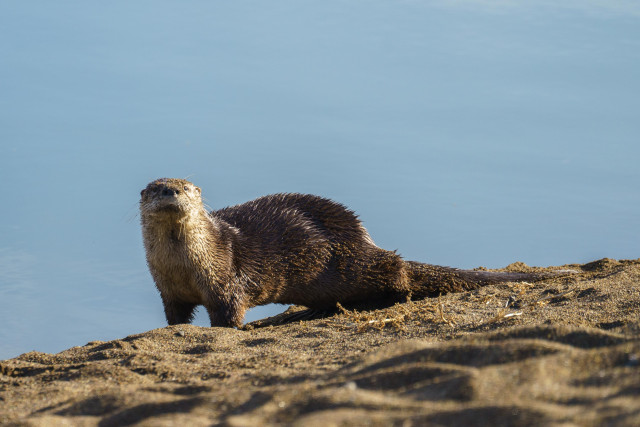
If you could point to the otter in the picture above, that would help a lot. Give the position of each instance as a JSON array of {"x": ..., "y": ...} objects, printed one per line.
[{"x": 282, "y": 248}]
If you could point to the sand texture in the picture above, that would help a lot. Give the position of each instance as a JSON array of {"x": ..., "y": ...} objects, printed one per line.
[{"x": 564, "y": 351}]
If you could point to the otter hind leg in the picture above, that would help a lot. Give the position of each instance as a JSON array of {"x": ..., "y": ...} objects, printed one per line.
[
  {"x": 386, "y": 277},
  {"x": 291, "y": 316}
]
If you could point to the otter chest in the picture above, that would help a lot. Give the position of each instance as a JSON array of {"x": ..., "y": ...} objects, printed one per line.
[{"x": 172, "y": 263}]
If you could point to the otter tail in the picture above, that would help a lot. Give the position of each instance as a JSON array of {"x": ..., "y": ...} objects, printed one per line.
[{"x": 429, "y": 281}]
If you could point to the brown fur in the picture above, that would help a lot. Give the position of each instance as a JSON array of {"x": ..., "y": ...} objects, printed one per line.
[{"x": 283, "y": 248}]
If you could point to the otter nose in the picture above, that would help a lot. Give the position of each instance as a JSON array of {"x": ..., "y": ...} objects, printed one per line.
[{"x": 169, "y": 191}]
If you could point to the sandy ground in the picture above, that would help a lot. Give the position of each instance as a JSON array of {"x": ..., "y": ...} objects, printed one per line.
[{"x": 564, "y": 351}]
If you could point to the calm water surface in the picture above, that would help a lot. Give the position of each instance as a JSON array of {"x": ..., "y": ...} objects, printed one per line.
[{"x": 464, "y": 133}]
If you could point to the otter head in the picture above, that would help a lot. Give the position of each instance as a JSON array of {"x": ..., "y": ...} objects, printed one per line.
[{"x": 171, "y": 197}]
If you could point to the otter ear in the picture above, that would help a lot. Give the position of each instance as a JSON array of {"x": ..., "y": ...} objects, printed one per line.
[{"x": 142, "y": 193}]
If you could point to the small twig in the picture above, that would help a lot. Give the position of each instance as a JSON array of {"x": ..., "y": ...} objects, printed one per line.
[
  {"x": 502, "y": 315},
  {"x": 382, "y": 320},
  {"x": 549, "y": 297},
  {"x": 441, "y": 312},
  {"x": 515, "y": 313}
]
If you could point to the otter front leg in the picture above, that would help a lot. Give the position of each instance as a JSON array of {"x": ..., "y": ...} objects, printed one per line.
[
  {"x": 177, "y": 311},
  {"x": 228, "y": 312},
  {"x": 226, "y": 304}
]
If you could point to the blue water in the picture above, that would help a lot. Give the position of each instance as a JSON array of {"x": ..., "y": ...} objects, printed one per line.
[{"x": 464, "y": 133}]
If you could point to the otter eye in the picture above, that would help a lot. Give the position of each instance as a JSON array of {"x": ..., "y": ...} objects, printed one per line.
[{"x": 185, "y": 188}]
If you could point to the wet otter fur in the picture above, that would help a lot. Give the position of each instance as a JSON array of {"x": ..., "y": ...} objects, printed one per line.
[{"x": 283, "y": 248}]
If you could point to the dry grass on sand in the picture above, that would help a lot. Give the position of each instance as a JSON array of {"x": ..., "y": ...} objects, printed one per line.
[{"x": 559, "y": 352}]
